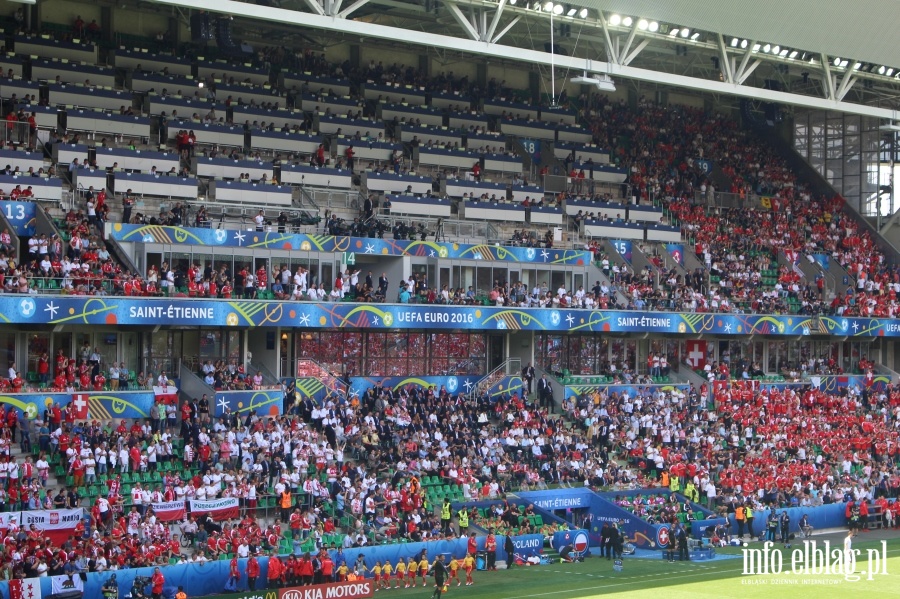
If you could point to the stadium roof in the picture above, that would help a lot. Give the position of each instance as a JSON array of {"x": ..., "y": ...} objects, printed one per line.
[{"x": 823, "y": 55}]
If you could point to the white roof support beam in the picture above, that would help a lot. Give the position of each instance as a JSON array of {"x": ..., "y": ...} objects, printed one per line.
[
  {"x": 523, "y": 55},
  {"x": 724, "y": 63},
  {"x": 351, "y": 9},
  {"x": 745, "y": 60},
  {"x": 463, "y": 21},
  {"x": 748, "y": 71},
  {"x": 315, "y": 6},
  {"x": 829, "y": 80},
  {"x": 628, "y": 42},
  {"x": 336, "y": 7},
  {"x": 494, "y": 22},
  {"x": 610, "y": 53},
  {"x": 505, "y": 30},
  {"x": 644, "y": 43},
  {"x": 846, "y": 83}
]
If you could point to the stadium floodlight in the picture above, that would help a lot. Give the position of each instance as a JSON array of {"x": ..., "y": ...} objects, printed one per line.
[
  {"x": 856, "y": 66},
  {"x": 881, "y": 70},
  {"x": 615, "y": 20},
  {"x": 654, "y": 26},
  {"x": 571, "y": 12},
  {"x": 744, "y": 44},
  {"x": 776, "y": 50},
  {"x": 734, "y": 42},
  {"x": 685, "y": 32},
  {"x": 548, "y": 6},
  {"x": 602, "y": 82},
  {"x": 792, "y": 55},
  {"x": 889, "y": 72},
  {"x": 558, "y": 9},
  {"x": 627, "y": 21},
  {"x": 783, "y": 53},
  {"x": 584, "y": 13},
  {"x": 756, "y": 47},
  {"x": 767, "y": 48},
  {"x": 695, "y": 36},
  {"x": 643, "y": 24},
  {"x": 674, "y": 32},
  {"x": 837, "y": 61}
]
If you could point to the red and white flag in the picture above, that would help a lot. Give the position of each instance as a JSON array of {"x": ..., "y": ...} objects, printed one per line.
[
  {"x": 56, "y": 525},
  {"x": 696, "y": 353},
  {"x": 167, "y": 394},
  {"x": 80, "y": 403},
  {"x": 219, "y": 509},
  {"x": 25, "y": 588},
  {"x": 169, "y": 511}
]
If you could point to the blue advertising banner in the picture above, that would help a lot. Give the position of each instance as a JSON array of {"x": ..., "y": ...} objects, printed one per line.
[
  {"x": 533, "y": 147},
  {"x": 705, "y": 166},
  {"x": 317, "y": 390},
  {"x": 71, "y": 310},
  {"x": 101, "y": 405},
  {"x": 824, "y": 260},
  {"x": 558, "y": 499},
  {"x": 208, "y": 578},
  {"x": 623, "y": 247},
  {"x": 578, "y": 539},
  {"x": 328, "y": 243},
  {"x": 267, "y": 402},
  {"x": 21, "y": 215},
  {"x": 676, "y": 250}
]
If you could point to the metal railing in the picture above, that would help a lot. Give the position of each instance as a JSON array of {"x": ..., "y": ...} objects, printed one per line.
[
  {"x": 310, "y": 368},
  {"x": 269, "y": 378},
  {"x": 511, "y": 366},
  {"x": 19, "y": 134}
]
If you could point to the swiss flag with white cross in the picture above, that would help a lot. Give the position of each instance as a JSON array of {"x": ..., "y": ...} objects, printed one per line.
[
  {"x": 696, "y": 353},
  {"x": 80, "y": 403}
]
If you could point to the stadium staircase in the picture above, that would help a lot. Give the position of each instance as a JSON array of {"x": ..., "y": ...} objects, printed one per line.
[
  {"x": 191, "y": 384},
  {"x": 511, "y": 367}
]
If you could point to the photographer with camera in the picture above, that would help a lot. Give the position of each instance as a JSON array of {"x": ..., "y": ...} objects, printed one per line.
[
  {"x": 139, "y": 588},
  {"x": 110, "y": 588}
]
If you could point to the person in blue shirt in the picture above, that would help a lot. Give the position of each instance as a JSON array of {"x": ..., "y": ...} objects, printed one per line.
[
  {"x": 339, "y": 560},
  {"x": 404, "y": 295}
]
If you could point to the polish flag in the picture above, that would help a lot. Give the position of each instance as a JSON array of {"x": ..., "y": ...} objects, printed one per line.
[
  {"x": 167, "y": 394},
  {"x": 27, "y": 588},
  {"x": 80, "y": 401},
  {"x": 169, "y": 511}
]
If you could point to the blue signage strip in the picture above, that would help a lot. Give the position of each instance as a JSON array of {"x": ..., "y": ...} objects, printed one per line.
[
  {"x": 43, "y": 310},
  {"x": 100, "y": 405},
  {"x": 328, "y": 243},
  {"x": 267, "y": 402},
  {"x": 21, "y": 215},
  {"x": 623, "y": 248}
]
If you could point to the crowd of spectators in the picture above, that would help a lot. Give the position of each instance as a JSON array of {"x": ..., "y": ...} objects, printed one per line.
[{"x": 748, "y": 443}]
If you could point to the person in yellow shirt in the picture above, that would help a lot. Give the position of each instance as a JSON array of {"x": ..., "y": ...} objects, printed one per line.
[
  {"x": 468, "y": 566},
  {"x": 386, "y": 572},
  {"x": 376, "y": 572},
  {"x": 342, "y": 572},
  {"x": 411, "y": 567},
  {"x": 400, "y": 572},
  {"x": 423, "y": 567},
  {"x": 454, "y": 571}
]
